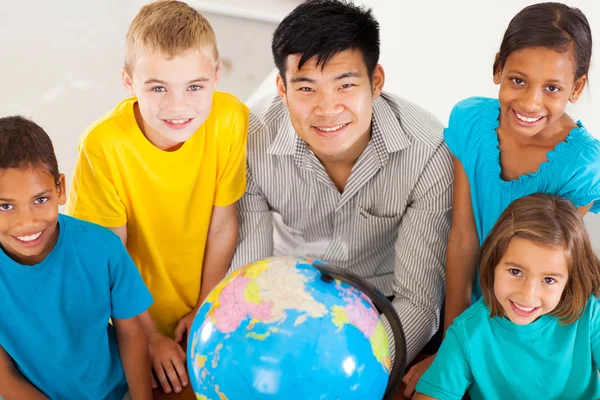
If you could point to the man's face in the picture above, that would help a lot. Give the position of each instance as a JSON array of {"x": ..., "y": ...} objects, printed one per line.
[
  {"x": 174, "y": 95},
  {"x": 29, "y": 200},
  {"x": 331, "y": 107}
]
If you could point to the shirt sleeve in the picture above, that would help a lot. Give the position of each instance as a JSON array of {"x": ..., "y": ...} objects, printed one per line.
[
  {"x": 420, "y": 255},
  {"x": 449, "y": 376},
  {"x": 129, "y": 295},
  {"x": 255, "y": 240},
  {"x": 93, "y": 195},
  {"x": 595, "y": 330},
  {"x": 231, "y": 180},
  {"x": 582, "y": 187}
]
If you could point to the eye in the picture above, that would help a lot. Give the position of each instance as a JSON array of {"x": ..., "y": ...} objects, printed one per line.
[
  {"x": 550, "y": 281},
  {"x": 158, "y": 89},
  {"x": 553, "y": 89},
  {"x": 305, "y": 89},
  {"x": 41, "y": 200},
  {"x": 6, "y": 207},
  {"x": 518, "y": 81},
  {"x": 195, "y": 88},
  {"x": 347, "y": 85},
  {"x": 514, "y": 272}
]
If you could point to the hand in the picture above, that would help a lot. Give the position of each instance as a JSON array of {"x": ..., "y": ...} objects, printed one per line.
[
  {"x": 168, "y": 362},
  {"x": 184, "y": 326},
  {"x": 414, "y": 374}
]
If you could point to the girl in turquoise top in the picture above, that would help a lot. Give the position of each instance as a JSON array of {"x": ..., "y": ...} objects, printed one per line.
[
  {"x": 521, "y": 143},
  {"x": 536, "y": 332}
]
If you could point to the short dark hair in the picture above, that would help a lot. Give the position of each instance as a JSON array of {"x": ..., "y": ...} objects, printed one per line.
[
  {"x": 23, "y": 143},
  {"x": 554, "y": 26},
  {"x": 324, "y": 28},
  {"x": 549, "y": 221}
]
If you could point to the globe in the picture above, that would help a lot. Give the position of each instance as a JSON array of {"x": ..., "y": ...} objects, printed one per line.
[{"x": 286, "y": 328}]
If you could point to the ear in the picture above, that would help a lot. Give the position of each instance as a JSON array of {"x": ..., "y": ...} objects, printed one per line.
[
  {"x": 218, "y": 72},
  {"x": 61, "y": 189},
  {"x": 281, "y": 89},
  {"x": 578, "y": 88},
  {"x": 377, "y": 80},
  {"x": 127, "y": 81},
  {"x": 498, "y": 71}
]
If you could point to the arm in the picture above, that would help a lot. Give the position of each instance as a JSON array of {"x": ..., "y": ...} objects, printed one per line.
[
  {"x": 584, "y": 210},
  {"x": 121, "y": 231},
  {"x": 256, "y": 226},
  {"x": 421, "y": 396},
  {"x": 419, "y": 250},
  {"x": 133, "y": 349},
  {"x": 13, "y": 385},
  {"x": 463, "y": 248}
]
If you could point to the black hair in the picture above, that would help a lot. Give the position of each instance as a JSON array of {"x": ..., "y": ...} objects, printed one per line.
[
  {"x": 554, "y": 26},
  {"x": 324, "y": 28},
  {"x": 24, "y": 143}
]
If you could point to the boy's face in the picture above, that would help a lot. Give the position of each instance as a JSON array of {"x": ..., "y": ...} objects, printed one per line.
[
  {"x": 331, "y": 108},
  {"x": 174, "y": 95},
  {"x": 529, "y": 280},
  {"x": 29, "y": 200}
]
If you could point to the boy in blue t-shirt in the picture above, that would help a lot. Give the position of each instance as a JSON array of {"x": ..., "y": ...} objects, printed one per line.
[{"x": 61, "y": 280}]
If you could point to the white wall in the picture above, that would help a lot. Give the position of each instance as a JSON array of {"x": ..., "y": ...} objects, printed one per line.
[{"x": 61, "y": 59}]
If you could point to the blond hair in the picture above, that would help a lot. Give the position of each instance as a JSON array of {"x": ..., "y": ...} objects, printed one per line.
[
  {"x": 548, "y": 221},
  {"x": 172, "y": 28}
]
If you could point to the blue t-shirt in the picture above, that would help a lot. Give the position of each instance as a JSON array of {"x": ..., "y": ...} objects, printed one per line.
[
  {"x": 572, "y": 170},
  {"x": 494, "y": 359},
  {"x": 54, "y": 316}
]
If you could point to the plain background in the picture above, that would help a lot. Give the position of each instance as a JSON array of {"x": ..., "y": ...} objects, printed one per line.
[{"x": 61, "y": 60}]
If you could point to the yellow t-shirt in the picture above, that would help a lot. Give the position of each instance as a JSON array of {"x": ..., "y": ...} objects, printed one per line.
[{"x": 165, "y": 198}]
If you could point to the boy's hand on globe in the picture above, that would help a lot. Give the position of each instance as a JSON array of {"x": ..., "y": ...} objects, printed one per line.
[
  {"x": 414, "y": 374},
  {"x": 168, "y": 362}
]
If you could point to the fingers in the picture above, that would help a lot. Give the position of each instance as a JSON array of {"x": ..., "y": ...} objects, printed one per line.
[
  {"x": 154, "y": 384},
  {"x": 173, "y": 377},
  {"x": 162, "y": 377},
  {"x": 179, "y": 364},
  {"x": 180, "y": 329}
]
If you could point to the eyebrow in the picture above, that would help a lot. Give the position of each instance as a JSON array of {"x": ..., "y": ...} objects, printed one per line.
[
  {"x": 41, "y": 194},
  {"x": 349, "y": 74},
  {"x": 514, "y": 71},
  {"x": 159, "y": 82},
  {"x": 514, "y": 264}
]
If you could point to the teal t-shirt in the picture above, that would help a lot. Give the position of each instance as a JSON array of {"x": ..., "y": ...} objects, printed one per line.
[
  {"x": 572, "y": 170},
  {"x": 494, "y": 359},
  {"x": 54, "y": 316}
]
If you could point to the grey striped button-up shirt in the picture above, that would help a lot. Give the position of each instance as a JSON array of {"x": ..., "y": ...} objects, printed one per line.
[{"x": 390, "y": 224}]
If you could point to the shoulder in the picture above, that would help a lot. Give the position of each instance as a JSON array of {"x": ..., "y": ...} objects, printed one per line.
[
  {"x": 471, "y": 321},
  {"x": 227, "y": 107},
  {"x": 268, "y": 117},
  {"x": 88, "y": 237},
  {"x": 419, "y": 124},
  {"x": 109, "y": 129},
  {"x": 473, "y": 109}
]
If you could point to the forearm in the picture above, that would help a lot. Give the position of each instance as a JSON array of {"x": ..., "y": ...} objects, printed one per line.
[
  {"x": 13, "y": 385},
  {"x": 461, "y": 266},
  {"x": 421, "y": 396},
  {"x": 218, "y": 253},
  {"x": 147, "y": 324},
  {"x": 133, "y": 348}
]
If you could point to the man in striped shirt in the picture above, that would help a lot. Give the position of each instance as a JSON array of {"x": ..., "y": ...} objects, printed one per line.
[{"x": 340, "y": 171}]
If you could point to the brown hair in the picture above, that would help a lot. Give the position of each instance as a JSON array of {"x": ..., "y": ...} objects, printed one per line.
[
  {"x": 550, "y": 221},
  {"x": 23, "y": 143},
  {"x": 171, "y": 28},
  {"x": 554, "y": 26}
]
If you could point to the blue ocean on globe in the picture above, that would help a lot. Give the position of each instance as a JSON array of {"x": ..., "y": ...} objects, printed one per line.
[{"x": 275, "y": 330}]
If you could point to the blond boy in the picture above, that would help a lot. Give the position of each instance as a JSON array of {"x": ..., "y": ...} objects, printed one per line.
[{"x": 164, "y": 170}]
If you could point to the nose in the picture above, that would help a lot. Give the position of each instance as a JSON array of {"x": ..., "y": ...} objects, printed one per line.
[
  {"x": 328, "y": 105},
  {"x": 529, "y": 291},
  {"x": 26, "y": 217},
  {"x": 532, "y": 99},
  {"x": 175, "y": 102}
]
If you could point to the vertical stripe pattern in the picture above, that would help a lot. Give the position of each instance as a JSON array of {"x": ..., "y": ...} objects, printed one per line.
[{"x": 389, "y": 226}]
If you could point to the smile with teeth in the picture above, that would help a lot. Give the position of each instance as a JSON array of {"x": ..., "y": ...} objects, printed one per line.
[
  {"x": 526, "y": 119},
  {"x": 29, "y": 238},
  {"x": 331, "y": 129},
  {"x": 178, "y": 121},
  {"x": 523, "y": 308}
]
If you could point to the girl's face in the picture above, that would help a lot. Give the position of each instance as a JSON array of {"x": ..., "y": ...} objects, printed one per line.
[
  {"x": 535, "y": 86},
  {"x": 530, "y": 279}
]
